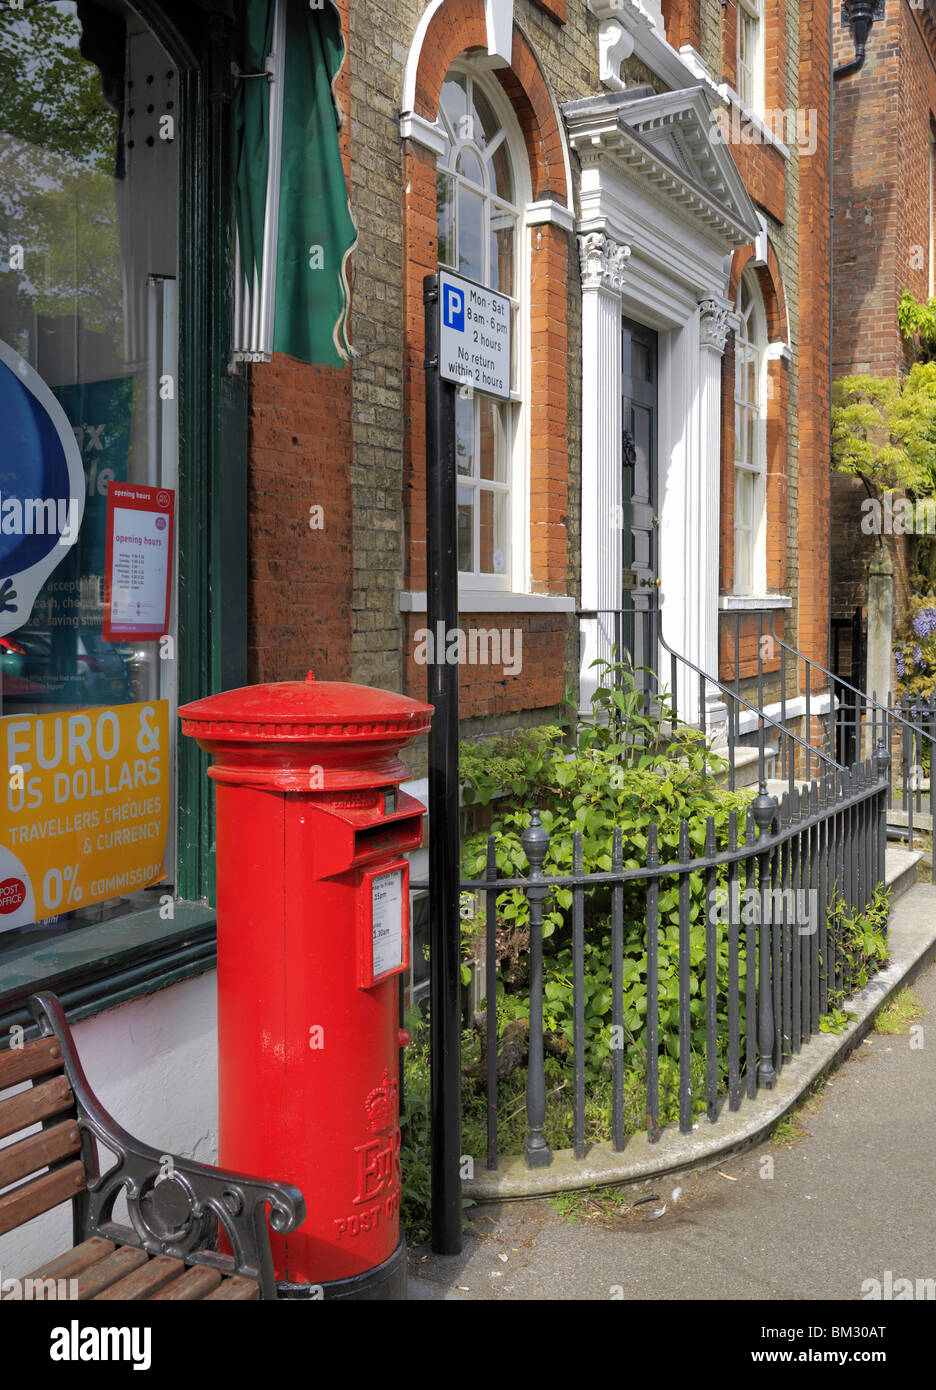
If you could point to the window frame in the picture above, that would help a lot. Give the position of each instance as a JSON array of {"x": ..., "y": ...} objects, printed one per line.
[
  {"x": 756, "y": 412},
  {"x": 516, "y": 576},
  {"x": 754, "y": 11}
]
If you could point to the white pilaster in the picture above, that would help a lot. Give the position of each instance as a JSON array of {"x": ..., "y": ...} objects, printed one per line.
[
  {"x": 603, "y": 262},
  {"x": 714, "y": 323}
]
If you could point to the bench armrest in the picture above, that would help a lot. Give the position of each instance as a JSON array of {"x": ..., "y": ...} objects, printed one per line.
[{"x": 175, "y": 1204}]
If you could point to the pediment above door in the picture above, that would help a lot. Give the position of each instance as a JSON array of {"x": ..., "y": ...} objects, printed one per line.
[{"x": 667, "y": 148}]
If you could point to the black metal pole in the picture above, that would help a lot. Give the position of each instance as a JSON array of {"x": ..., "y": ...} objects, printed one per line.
[{"x": 444, "y": 921}]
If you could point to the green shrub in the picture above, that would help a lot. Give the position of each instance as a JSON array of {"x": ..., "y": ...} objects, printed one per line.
[{"x": 631, "y": 767}]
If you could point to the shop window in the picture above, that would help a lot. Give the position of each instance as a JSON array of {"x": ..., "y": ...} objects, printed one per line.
[
  {"x": 88, "y": 373},
  {"x": 481, "y": 190},
  {"x": 751, "y": 53},
  {"x": 750, "y": 430}
]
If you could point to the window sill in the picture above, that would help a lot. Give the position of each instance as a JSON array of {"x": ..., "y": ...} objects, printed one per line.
[
  {"x": 753, "y": 603},
  {"x": 748, "y": 113},
  {"x": 492, "y": 601},
  {"x": 109, "y": 963}
]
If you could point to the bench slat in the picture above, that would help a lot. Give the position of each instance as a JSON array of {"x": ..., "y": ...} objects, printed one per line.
[
  {"x": 192, "y": 1285},
  {"x": 33, "y": 1198},
  {"x": 38, "y": 1151},
  {"x": 235, "y": 1288},
  {"x": 143, "y": 1282},
  {"x": 39, "y": 1103},
  {"x": 76, "y": 1259},
  {"x": 64, "y": 1268},
  {"x": 35, "y": 1059},
  {"x": 103, "y": 1273}
]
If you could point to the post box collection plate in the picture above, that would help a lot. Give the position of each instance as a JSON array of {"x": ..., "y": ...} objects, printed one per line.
[{"x": 383, "y": 922}]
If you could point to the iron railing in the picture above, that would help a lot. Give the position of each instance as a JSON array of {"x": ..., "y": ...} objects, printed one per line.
[
  {"x": 739, "y": 934},
  {"x": 858, "y": 722},
  {"x": 761, "y": 967}
]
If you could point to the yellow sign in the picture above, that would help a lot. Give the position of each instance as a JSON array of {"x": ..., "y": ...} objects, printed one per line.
[{"x": 85, "y": 810}]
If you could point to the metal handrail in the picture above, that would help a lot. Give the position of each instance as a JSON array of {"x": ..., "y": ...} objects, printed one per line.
[
  {"x": 725, "y": 690},
  {"x": 889, "y": 710}
]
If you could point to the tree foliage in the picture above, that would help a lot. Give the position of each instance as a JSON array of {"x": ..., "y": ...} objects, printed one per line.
[
  {"x": 50, "y": 96},
  {"x": 884, "y": 429},
  {"x": 58, "y": 140}
]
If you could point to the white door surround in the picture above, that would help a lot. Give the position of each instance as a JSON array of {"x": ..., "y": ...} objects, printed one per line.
[{"x": 663, "y": 208}]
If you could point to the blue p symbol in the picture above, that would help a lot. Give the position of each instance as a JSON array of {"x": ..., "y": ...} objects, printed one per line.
[{"x": 453, "y": 309}]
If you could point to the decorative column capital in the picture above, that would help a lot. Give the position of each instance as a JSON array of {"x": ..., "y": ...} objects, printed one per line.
[
  {"x": 715, "y": 321},
  {"x": 603, "y": 262}
]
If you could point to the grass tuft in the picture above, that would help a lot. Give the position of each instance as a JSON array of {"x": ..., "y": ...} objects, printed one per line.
[{"x": 898, "y": 1013}]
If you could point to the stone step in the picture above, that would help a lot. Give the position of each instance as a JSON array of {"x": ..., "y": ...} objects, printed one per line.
[
  {"x": 900, "y": 820},
  {"x": 746, "y": 765},
  {"x": 900, "y": 870}
]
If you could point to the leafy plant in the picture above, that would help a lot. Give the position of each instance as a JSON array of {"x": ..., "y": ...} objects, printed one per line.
[
  {"x": 918, "y": 320},
  {"x": 633, "y": 765},
  {"x": 836, "y": 1020},
  {"x": 861, "y": 940},
  {"x": 415, "y": 1200}
]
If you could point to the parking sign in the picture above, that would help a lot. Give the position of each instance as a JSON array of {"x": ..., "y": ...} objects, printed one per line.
[
  {"x": 453, "y": 308},
  {"x": 474, "y": 337}
]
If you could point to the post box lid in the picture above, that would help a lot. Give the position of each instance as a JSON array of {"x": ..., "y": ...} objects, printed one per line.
[{"x": 306, "y": 711}]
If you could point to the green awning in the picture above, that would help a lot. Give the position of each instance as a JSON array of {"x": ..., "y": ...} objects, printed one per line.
[{"x": 304, "y": 201}]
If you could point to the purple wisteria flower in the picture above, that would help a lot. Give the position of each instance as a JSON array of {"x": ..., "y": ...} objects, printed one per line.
[
  {"x": 899, "y": 660},
  {"x": 924, "y": 624},
  {"x": 917, "y": 655}
]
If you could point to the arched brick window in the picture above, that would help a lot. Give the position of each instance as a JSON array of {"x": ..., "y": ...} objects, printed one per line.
[{"x": 482, "y": 187}]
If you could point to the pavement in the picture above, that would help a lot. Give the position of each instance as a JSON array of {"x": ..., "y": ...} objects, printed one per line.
[{"x": 851, "y": 1200}]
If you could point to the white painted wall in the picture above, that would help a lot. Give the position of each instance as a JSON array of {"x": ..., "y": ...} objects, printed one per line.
[{"x": 153, "y": 1063}]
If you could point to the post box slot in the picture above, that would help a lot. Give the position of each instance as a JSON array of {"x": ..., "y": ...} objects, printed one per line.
[{"x": 395, "y": 836}]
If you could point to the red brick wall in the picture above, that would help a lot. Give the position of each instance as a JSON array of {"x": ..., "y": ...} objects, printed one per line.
[
  {"x": 683, "y": 23},
  {"x": 870, "y": 236},
  {"x": 883, "y": 118},
  {"x": 300, "y": 450},
  {"x": 489, "y": 690},
  {"x": 884, "y": 115},
  {"x": 751, "y": 640},
  {"x": 812, "y": 534}
]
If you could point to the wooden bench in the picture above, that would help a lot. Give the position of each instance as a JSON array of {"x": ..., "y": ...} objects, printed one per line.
[{"x": 179, "y": 1210}]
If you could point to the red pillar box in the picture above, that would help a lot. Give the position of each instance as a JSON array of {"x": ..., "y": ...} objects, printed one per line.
[{"x": 313, "y": 929}]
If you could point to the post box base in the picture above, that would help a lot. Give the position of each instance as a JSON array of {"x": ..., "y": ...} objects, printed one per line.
[{"x": 386, "y": 1282}]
